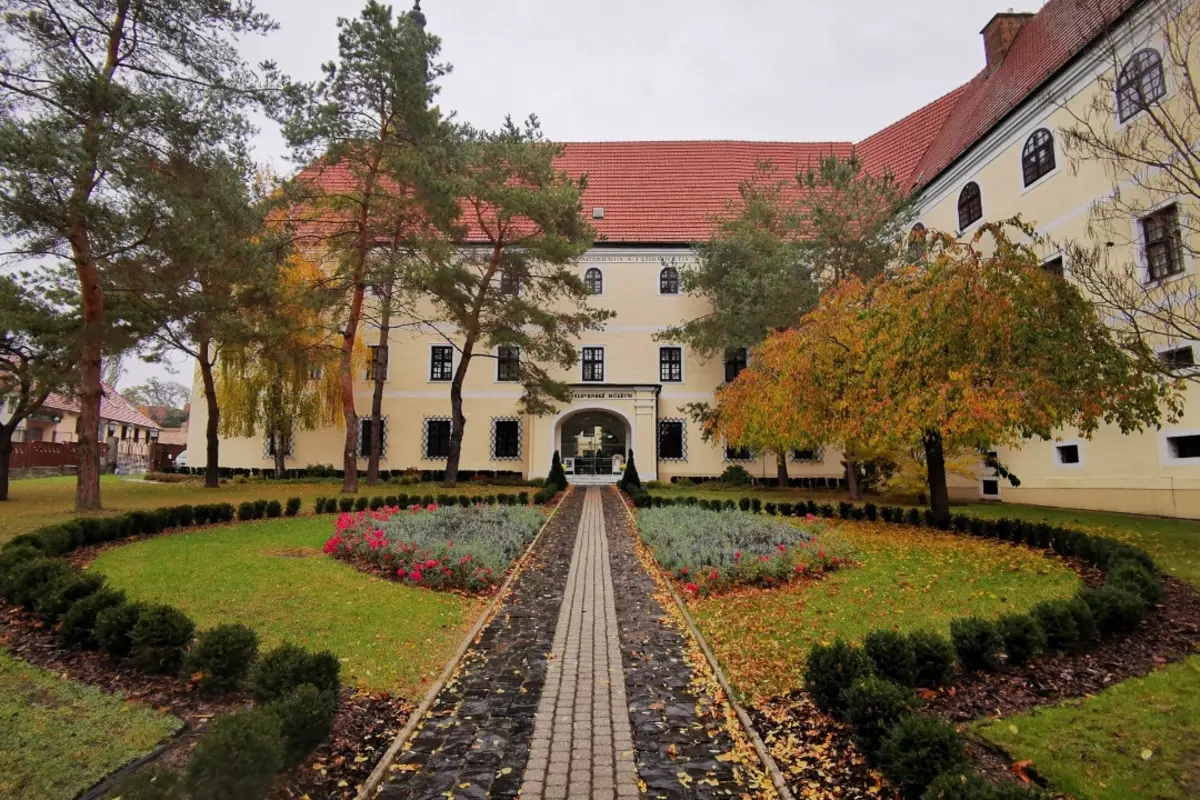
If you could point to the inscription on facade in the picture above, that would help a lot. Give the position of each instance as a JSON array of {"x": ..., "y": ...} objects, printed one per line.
[{"x": 602, "y": 395}]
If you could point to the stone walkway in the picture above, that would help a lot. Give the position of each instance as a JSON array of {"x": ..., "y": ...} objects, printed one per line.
[{"x": 582, "y": 743}]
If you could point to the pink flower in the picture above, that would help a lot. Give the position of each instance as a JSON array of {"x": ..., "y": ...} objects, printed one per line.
[
  {"x": 712, "y": 576},
  {"x": 836, "y": 561},
  {"x": 402, "y": 572},
  {"x": 431, "y": 507},
  {"x": 782, "y": 548},
  {"x": 431, "y": 563},
  {"x": 820, "y": 554},
  {"x": 464, "y": 560},
  {"x": 810, "y": 517},
  {"x": 800, "y": 568},
  {"x": 737, "y": 556},
  {"x": 683, "y": 571},
  {"x": 415, "y": 574}
]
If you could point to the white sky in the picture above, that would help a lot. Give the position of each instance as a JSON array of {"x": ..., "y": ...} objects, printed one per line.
[{"x": 769, "y": 70}]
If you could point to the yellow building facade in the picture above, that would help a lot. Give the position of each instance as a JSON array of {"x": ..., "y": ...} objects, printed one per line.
[{"x": 992, "y": 148}]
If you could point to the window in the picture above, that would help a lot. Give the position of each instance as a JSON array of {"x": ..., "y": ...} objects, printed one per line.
[
  {"x": 738, "y": 454},
  {"x": 1178, "y": 357},
  {"x": 970, "y": 206},
  {"x": 288, "y": 449},
  {"x": 668, "y": 281},
  {"x": 990, "y": 487},
  {"x": 506, "y": 439},
  {"x": 436, "y": 438},
  {"x": 124, "y": 432},
  {"x": 670, "y": 364},
  {"x": 1184, "y": 446},
  {"x": 377, "y": 365},
  {"x": 510, "y": 283},
  {"x": 1141, "y": 83},
  {"x": 441, "y": 362},
  {"x": 672, "y": 440},
  {"x": 137, "y": 434},
  {"x": 365, "y": 429},
  {"x": 593, "y": 279},
  {"x": 593, "y": 363},
  {"x": 916, "y": 243},
  {"x": 1037, "y": 159},
  {"x": 508, "y": 364},
  {"x": 735, "y": 362},
  {"x": 1160, "y": 243},
  {"x": 1068, "y": 453},
  {"x": 1054, "y": 267},
  {"x": 809, "y": 456}
]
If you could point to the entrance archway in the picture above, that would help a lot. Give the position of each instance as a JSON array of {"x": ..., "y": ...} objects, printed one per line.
[{"x": 592, "y": 438}]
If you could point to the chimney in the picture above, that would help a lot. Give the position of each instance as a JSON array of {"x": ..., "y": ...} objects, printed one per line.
[{"x": 999, "y": 34}]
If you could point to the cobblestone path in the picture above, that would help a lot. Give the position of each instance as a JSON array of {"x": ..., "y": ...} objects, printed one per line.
[{"x": 582, "y": 743}]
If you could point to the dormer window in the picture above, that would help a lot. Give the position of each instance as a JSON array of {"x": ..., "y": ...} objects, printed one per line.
[
  {"x": 1037, "y": 159},
  {"x": 970, "y": 206},
  {"x": 1141, "y": 83}
]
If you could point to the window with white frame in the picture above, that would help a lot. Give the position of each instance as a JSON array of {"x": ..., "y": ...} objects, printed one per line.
[
  {"x": 970, "y": 205},
  {"x": 808, "y": 455},
  {"x": 670, "y": 364},
  {"x": 1067, "y": 454},
  {"x": 668, "y": 281},
  {"x": 435, "y": 438},
  {"x": 1161, "y": 249},
  {"x": 506, "y": 438},
  {"x": 593, "y": 280},
  {"x": 1037, "y": 158},
  {"x": 1184, "y": 447},
  {"x": 1178, "y": 357},
  {"x": 441, "y": 362},
  {"x": 289, "y": 445},
  {"x": 366, "y": 429},
  {"x": 1141, "y": 83},
  {"x": 508, "y": 363},
  {"x": 593, "y": 363},
  {"x": 672, "y": 440},
  {"x": 735, "y": 362},
  {"x": 377, "y": 365},
  {"x": 738, "y": 453}
]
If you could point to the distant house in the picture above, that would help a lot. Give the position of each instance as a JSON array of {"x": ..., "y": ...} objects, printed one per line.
[{"x": 58, "y": 421}]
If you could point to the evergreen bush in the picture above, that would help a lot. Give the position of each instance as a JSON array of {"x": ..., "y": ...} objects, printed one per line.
[
  {"x": 245, "y": 511},
  {"x": 222, "y": 656},
  {"x": 977, "y": 642},
  {"x": 260, "y": 509},
  {"x": 831, "y": 669},
  {"x": 916, "y": 750},
  {"x": 346, "y": 504},
  {"x": 114, "y": 628},
  {"x": 274, "y": 510},
  {"x": 1058, "y": 623},
  {"x": 58, "y": 597},
  {"x": 557, "y": 477},
  {"x": 78, "y": 626},
  {"x": 629, "y": 478},
  {"x": 935, "y": 658},
  {"x": 288, "y": 666},
  {"x": 160, "y": 639},
  {"x": 893, "y": 657},
  {"x": 28, "y": 579},
  {"x": 873, "y": 705},
  {"x": 305, "y": 717},
  {"x": 1136, "y": 578},
  {"x": 1114, "y": 609},
  {"x": 360, "y": 503},
  {"x": 1023, "y": 637},
  {"x": 236, "y": 759},
  {"x": 293, "y": 506}
]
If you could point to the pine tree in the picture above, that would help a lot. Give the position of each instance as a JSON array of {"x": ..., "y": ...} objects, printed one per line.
[
  {"x": 630, "y": 476},
  {"x": 557, "y": 476}
]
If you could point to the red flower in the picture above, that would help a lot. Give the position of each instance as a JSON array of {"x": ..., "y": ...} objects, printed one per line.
[
  {"x": 836, "y": 561},
  {"x": 800, "y": 568},
  {"x": 712, "y": 576},
  {"x": 400, "y": 573},
  {"x": 737, "y": 555},
  {"x": 464, "y": 560},
  {"x": 820, "y": 554},
  {"x": 683, "y": 570},
  {"x": 693, "y": 588},
  {"x": 415, "y": 574},
  {"x": 431, "y": 563},
  {"x": 782, "y": 548}
]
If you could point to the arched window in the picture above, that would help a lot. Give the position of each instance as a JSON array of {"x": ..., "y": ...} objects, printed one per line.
[
  {"x": 970, "y": 205},
  {"x": 916, "y": 243},
  {"x": 1141, "y": 83},
  {"x": 594, "y": 281},
  {"x": 1037, "y": 159},
  {"x": 668, "y": 281}
]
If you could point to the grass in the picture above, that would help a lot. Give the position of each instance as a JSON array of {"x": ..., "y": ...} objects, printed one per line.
[
  {"x": 58, "y": 738},
  {"x": 1141, "y": 738},
  {"x": 909, "y": 578},
  {"x": 273, "y": 576},
  {"x": 43, "y": 501}
]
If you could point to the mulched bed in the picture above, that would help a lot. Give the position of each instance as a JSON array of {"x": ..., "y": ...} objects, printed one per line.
[
  {"x": 677, "y": 729},
  {"x": 480, "y": 726}
]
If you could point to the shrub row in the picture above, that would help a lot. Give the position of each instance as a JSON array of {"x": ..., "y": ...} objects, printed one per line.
[
  {"x": 239, "y": 756},
  {"x": 328, "y": 471},
  {"x": 334, "y": 505}
]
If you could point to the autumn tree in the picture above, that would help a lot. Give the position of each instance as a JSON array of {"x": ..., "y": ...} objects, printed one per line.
[
  {"x": 780, "y": 244},
  {"x": 91, "y": 92},
  {"x": 512, "y": 283},
  {"x": 155, "y": 392},
  {"x": 973, "y": 347},
  {"x": 38, "y": 353},
  {"x": 371, "y": 110},
  {"x": 1152, "y": 161}
]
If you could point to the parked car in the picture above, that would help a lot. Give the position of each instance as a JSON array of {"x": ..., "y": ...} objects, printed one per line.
[{"x": 181, "y": 459}]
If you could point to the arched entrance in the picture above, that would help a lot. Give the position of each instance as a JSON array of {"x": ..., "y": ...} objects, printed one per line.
[{"x": 592, "y": 438}]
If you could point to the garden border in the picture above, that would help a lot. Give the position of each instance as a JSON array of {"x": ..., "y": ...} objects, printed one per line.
[
  {"x": 375, "y": 780},
  {"x": 760, "y": 747}
]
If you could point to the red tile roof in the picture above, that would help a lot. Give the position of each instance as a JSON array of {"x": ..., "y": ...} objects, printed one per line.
[
  {"x": 668, "y": 192},
  {"x": 113, "y": 408}
]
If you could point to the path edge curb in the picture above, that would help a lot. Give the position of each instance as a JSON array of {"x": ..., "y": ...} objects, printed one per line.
[
  {"x": 375, "y": 780},
  {"x": 759, "y": 746}
]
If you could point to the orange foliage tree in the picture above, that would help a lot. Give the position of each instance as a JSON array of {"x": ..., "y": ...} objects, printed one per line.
[{"x": 971, "y": 345}]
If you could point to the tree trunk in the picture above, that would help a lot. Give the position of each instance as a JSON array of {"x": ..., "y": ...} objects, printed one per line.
[
  {"x": 935, "y": 464},
  {"x": 350, "y": 453},
  {"x": 852, "y": 479},
  {"x": 212, "y": 447},
  {"x": 280, "y": 453},
  {"x": 87, "y": 484},
  {"x": 379, "y": 372},
  {"x": 781, "y": 469},
  {"x": 6, "y": 448},
  {"x": 459, "y": 420}
]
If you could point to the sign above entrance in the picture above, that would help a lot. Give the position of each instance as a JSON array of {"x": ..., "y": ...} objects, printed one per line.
[
  {"x": 616, "y": 394},
  {"x": 613, "y": 392}
]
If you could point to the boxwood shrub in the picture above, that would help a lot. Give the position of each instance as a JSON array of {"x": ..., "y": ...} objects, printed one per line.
[
  {"x": 831, "y": 669},
  {"x": 305, "y": 717},
  {"x": 892, "y": 654},
  {"x": 114, "y": 628},
  {"x": 222, "y": 656},
  {"x": 872, "y": 705},
  {"x": 274, "y": 509},
  {"x": 916, "y": 750},
  {"x": 935, "y": 658},
  {"x": 160, "y": 638},
  {"x": 293, "y": 506},
  {"x": 1114, "y": 609},
  {"x": 236, "y": 759},
  {"x": 245, "y": 511},
  {"x": 283, "y": 669},
  {"x": 78, "y": 625},
  {"x": 59, "y": 596},
  {"x": 1023, "y": 637},
  {"x": 977, "y": 642},
  {"x": 1134, "y": 577}
]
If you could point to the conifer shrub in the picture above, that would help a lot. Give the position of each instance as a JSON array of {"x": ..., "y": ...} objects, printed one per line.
[
  {"x": 360, "y": 503},
  {"x": 522, "y": 498},
  {"x": 913, "y": 517},
  {"x": 962, "y": 784},
  {"x": 376, "y": 503},
  {"x": 831, "y": 669},
  {"x": 557, "y": 477},
  {"x": 1023, "y": 637},
  {"x": 977, "y": 642},
  {"x": 916, "y": 750},
  {"x": 630, "y": 478},
  {"x": 755, "y": 505},
  {"x": 57, "y": 597},
  {"x": 1085, "y": 623},
  {"x": 1114, "y": 609},
  {"x": 281, "y": 670},
  {"x": 391, "y": 501},
  {"x": 160, "y": 639},
  {"x": 892, "y": 654},
  {"x": 27, "y": 580},
  {"x": 464, "y": 501},
  {"x": 871, "y": 512},
  {"x": 744, "y": 503},
  {"x": 305, "y": 717},
  {"x": 402, "y": 501},
  {"x": 154, "y": 782},
  {"x": 293, "y": 506},
  {"x": 245, "y": 511},
  {"x": 785, "y": 509},
  {"x": 873, "y": 705},
  {"x": 772, "y": 509},
  {"x": 346, "y": 504},
  {"x": 274, "y": 510},
  {"x": 935, "y": 658},
  {"x": 260, "y": 509},
  {"x": 1132, "y": 576},
  {"x": 237, "y": 758},
  {"x": 222, "y": 656},
  {"x": 1058, "y": 623},
  {"x": 78, "y": 625},
  {"x": 114, "y": 628}
]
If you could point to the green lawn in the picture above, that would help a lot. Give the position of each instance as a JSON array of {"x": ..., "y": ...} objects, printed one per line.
[
  {"x": 57, "y": 738},
  {"x": 273, "y": 576},
  {"x": 1141, "y": 738},
  {"x": 909, "y": 578}
]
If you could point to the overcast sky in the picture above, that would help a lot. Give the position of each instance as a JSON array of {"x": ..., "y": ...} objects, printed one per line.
[{"x": 767, "y": 70}]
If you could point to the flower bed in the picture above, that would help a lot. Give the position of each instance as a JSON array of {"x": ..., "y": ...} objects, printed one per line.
[
  {"x": 712, "y": 551},
  {"x": 439, "y": 547}
]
